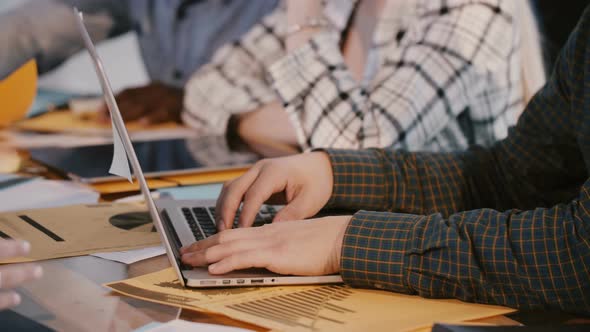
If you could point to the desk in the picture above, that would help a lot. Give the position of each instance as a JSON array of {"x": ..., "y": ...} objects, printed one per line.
[{"x": 70, "y": 298}]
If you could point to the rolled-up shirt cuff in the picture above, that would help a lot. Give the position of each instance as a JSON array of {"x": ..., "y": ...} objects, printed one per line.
[{"x": 360, "y": 180}]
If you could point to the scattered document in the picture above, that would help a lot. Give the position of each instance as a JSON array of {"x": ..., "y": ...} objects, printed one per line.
[
  {"x": 81, "y": 107},
  {"x": 46, "y": 100},
  {"x": 139, "y": 198},
  {"x": 41, "y": 193},
  {"x": 307, "y": 308},
  {"x": 131, "y": 256},
  {"x": 179, "y": 325},
  {"x": 6, "y": 179},
  {"x": 124, "y": 72},
  {"x": 79, "y": 230},
  {"x": 11, "y": 180}
]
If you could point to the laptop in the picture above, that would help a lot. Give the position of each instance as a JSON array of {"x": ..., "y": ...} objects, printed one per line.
[{"x": 181, "y": 223}]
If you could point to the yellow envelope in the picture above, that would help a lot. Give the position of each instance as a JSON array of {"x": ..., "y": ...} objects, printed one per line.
[
  {"x": 79, "y": 230},
  {"x": 206, "y": 177},
  {"x": 115, "y": 187},
  {"x": 17, "y": 93}
]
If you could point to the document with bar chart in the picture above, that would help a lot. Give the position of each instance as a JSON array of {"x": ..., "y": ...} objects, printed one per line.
[{"x": 307, "y": 308}]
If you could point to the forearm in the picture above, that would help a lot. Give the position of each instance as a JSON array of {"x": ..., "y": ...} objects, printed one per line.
[
  {"x": 418, "y": 183},
  {"x": 526, "y": 260},
  {"x": 267, "y": 131}
]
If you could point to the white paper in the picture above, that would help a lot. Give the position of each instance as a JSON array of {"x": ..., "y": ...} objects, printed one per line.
[
  {"x": 131, "y": 256},
  {"x": 81, "y": 106},
  {"x": 8, "y": 176},
  {"x": 40, "y": 193},
  {"x": 76, "y": 75},
  {"x": 120, "y": 163},
  {"x": 178, "y": 325},
  {"x": 139, "y": 198}
]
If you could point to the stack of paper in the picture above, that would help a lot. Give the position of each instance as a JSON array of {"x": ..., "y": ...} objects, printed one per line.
[
  {"x": 307, "y": 308},
  {"x": 78, "y": 230},
  {"x": 131, "y": 256},
  {"x": 178, "y": 325},
  {"x": 40, "y": 193}
]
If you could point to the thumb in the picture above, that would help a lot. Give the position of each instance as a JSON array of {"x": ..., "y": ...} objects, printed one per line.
[{"x": 301, "y": 207}]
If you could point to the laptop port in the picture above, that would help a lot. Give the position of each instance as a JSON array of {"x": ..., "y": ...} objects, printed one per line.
[
  {"x": 208, "y": 282},
  {"x": 240, "y": 281},
  {"x": 226, "y": 282},
  {"x": 257, "y": 281}
]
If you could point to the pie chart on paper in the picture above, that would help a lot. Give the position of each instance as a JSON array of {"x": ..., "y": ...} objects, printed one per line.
[{"x": 133, "y": 221}]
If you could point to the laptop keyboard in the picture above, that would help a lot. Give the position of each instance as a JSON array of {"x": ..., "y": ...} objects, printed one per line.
[{"x": 206, "y": 217}]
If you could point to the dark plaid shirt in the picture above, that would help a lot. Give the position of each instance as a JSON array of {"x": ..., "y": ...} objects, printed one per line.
[{"x": 508, "y": 225}]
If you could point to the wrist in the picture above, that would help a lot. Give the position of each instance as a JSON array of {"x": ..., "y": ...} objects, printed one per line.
[
  {"x": 336, "y": 263},
  {"x": 322, "y": 163},
  {"x": 324, "y": 160}
]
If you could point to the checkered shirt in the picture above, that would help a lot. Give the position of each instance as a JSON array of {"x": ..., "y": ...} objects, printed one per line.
[
  {"x": 448, "y": 75},
  {"x": 508, "y": 224}
]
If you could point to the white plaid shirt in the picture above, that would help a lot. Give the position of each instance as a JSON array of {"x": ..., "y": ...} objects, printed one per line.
[{"x": 448, "y": 75}]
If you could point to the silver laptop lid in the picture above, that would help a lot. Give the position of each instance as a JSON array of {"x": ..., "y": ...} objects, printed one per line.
[{"x": 121, "y": 130}]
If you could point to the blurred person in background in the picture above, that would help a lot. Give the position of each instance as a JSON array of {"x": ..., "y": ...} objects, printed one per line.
[
  {"x": 414, "y": 74},
  {"x": 175, "y": 38}
]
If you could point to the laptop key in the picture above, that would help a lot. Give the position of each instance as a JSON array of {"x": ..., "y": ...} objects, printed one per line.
[
  {"x": 192, "y": 223},
  {"x": 205, "y": 220}
]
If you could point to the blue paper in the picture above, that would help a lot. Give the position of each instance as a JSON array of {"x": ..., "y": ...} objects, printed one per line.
[
  {"x": 205, "y": 191},
  {"x": 47, "y": 99},
  {"x": 148, "y": 327}
]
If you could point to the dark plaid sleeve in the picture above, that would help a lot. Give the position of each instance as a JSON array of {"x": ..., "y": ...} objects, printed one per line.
[{"x": 533, "y": 256}]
